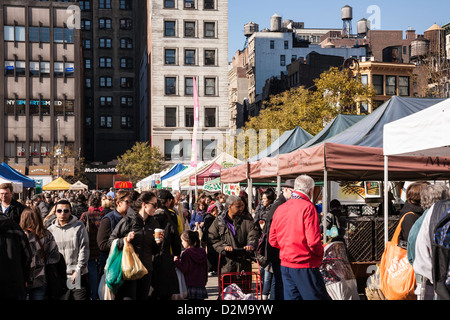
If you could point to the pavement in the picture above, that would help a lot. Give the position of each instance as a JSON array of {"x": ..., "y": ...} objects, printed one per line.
[{"x": 212, "y": 286}]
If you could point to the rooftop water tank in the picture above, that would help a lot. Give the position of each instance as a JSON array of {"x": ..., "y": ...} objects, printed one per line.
[
  {"x": 420, "y": 48},
  {"x": 363, "y": 26},
  {"x": 250, "y": 28},
  {"x": 275, "y": 23},
  {"x": 347, "y": 13}
]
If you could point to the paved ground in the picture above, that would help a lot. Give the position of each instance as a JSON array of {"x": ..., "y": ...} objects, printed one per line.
[{"x": 212, "y": 286}]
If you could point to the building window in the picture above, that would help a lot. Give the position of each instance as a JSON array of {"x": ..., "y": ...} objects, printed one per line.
[
  {"x": 126, "y": 122},
  {"x": 403, "y": 86},
  {"x": 104, "y": 4},
  {"x": 365, "y": 79},
  {"x": 210, "y": 57},
  {"x": 34, "y": 68},
  {"x": 189, "y": 4},
  {"x": 391, "y": 85},
  {"x": 85, "y": 5},
  {"x": 126, "y": 82},
  {"x": 210, "y": 29},
  {"x": 188, "y": 117},
  {"x": 170, "y": 116},
  {"x": 58, "y": 69},
  {"x": 169, "y": 56},
  {"x": 378, "y": 84},
  {"x": 86, "y": 44},
  {"x": 33, "y": 34},
  {"x": 188, "y": 86},
  {"x": 286, "y": 44},
  {"x": 9, "y": 68},
  {"x": 104, "y": 23},
  {"x": 106, "y": 122},
  {"x": 282, "y": 60},
  {"x": 45, "y": 68},
  {"x": 14, "y": 33},
  {"x": 125, "y": 5},
  {"x": 105, "y": 42},
  {"x": 210, "y": 86},
  {"x": 210, "y": 117},
  {"x": 126, "y": 101},
  {"x": 105, "y": 82},
  {"x": 189, "y": 57},
  {"x": 88, "y": 122},
  {"x": 69, "y": 69},
  {"x": 172, "y": 150},
  {"x": 87, "y": 64},
  {"x": 169, "y": 3},
  {"x": 85, "y": 24},
  {"x": 170, "y": 85},
  {"x": 88, "y": 83},
  {"x": 169, "y": 28},
  {"x": 126, "y": 63},
  {"x": 105, "y": 62},
  {"x": 126, "y": 43},
  {"x": 272, "y": 44},
  {"x": 189, "y": 29},
  {"x": 126, "y": 24},
  {"x": 106, "y": 101},
  {"x": 208, "y": 4}
]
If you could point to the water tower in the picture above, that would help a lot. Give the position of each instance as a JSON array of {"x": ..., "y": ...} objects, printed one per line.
[
  {"x": 347, "y": 17},
  {"x": 249, "y": 29},
  {"x": 275, "y": 23}
]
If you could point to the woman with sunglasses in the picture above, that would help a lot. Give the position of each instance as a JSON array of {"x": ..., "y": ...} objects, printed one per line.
[{"x": 137, "y": 228}]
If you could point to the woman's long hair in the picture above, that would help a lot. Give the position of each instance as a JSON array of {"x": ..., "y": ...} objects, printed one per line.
[{"x": 31, "y": 219}]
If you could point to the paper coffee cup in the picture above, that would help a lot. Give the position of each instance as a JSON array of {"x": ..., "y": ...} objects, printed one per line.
[{"x": 158, "y": 233}]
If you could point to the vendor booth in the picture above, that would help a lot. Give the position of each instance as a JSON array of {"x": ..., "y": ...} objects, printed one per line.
[{"x": 58, "y": 184}]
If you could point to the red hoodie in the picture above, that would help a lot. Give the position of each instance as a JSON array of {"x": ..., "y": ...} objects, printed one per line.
[
  {"x": 194, "y": 266},
  {"x": 295, "y": 231}
]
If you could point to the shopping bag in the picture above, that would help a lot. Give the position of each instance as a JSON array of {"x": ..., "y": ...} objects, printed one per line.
[
  {"x": 132, "y": 267},
  {"x": 113, "y": 268},
  {"x": 104, "y": 292},
  {"x": 397, "y": 279},
  {"x": 182, "y": 286}
]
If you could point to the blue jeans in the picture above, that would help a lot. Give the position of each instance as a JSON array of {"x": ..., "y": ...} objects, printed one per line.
[
  {"x": 38, "y": 293},
  {"x": 272, "y": 282},
  {"x": 93, "y": 274},
  {"x": 303, "y": 284}
]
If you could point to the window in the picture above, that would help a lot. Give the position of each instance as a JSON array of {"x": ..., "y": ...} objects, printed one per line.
[
  {"x": 210, "y": 57},
  {"x": 293, "y": 58},
  {"x": 403, "y": 86},
  {"x": 105, "y": 62},
  {"x": 58, "y": 69},
  {"x": 85, "y": 25},
  {"x": 188, "y": 117},
  {"x": 19, "y": 33},
  {"x": 208, "y": 4},
  {"x": 169, "y": 28},
  {"x": 210, "y": 86},
  {"x": 86, "y": 43},
  {"x": 282, "y": 60},
  {"x": 189, "y": 57},
  {"x": 88, "y": 122},
  {"x": 9, "y": 68},
  {"x": 126, "y": 101},
  {"x": 58, "y": 35},
  {"x": 8, "y": 33},
  {"x": 188, "y": 86},
  {"x": 88, "y": 83},
  {"x": 105, "y": 121},
  {"x": 170, "y": 86},
  {"x": 172, "y": 149},
  {"x": 189, "y": 4},
  {"x": 106, "y": 101},
  {"x": 14, "y": 33},
  {"x": 85, "y": 5},
  {"x": 126, "y": 122},
  {"x": 104, "y": 23},
  {"x": 365, "y": 79},
  {"x": 104, "y": 4},
  {"x": 210, "y": 29},
  {"x": 20, "y": 68},
  {"x": 210, "y": 117},
  {"x": 169, "y": 56},
  {"x": 286, "y": 44},
  {"x": 189, "y": 29},
  {"x": 69, "y": 66},
  {"x": 105, "y": 42},
  {"x": 391, "y": 85},
  {"x": 126, "y": 63},
  {"x": 33, "y": 34},
  {"x": 44, "y": 34},
  {"x": 209, "y": 150},
  {"x": 169, "y": 3},
  {"x": 87, "y": 63},
  {"x": 34, "y": 68},
  {"x": 170, "y": 116},
  {"x": 45, "y": 68},
  {"x": 126, "y": 43},
  {"x": 272, "y": 44},
  {"x": 125, "y": 5},
  {"x": 105, "y": 82},
  {"x": 126, "y": 24},
  {"x": 126, "y": 82},
  {"x": 378, "y": 84}
]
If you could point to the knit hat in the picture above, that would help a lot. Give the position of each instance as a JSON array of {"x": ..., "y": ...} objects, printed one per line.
[{"x": 211, "y": 208}]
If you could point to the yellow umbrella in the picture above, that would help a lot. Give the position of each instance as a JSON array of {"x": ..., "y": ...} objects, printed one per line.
[{"x": 58, "y": 184}]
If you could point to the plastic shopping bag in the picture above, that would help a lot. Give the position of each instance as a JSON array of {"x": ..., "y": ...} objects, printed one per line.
[
  {"x": 132, "y": 267},
  {"x": 113, "y": 268},
  {"x": 182, "y": 286},
  {"x": 397, "y": 279}
]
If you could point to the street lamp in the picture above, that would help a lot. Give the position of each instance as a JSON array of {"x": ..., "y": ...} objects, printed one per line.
[{"x": 58, "y": 150}]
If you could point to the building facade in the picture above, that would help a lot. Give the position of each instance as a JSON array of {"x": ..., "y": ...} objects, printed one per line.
[
  {"x": 186, "y": 39},
  {"x": 41, "y": 91}
]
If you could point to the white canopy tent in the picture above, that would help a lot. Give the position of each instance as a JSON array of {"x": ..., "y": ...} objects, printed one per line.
[
  {"x": 425, "y": 133},
  {"x": 17, "y": 186}
]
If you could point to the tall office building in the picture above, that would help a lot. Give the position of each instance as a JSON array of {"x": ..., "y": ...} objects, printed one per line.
[{"x": 186, "y": 39}]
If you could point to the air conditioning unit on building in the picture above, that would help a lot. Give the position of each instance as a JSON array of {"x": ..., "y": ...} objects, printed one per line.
[{"x": 189, "y": 5}]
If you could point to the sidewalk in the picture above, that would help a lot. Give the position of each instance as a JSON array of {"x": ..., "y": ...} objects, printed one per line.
[{"x": 212, "y": 286}]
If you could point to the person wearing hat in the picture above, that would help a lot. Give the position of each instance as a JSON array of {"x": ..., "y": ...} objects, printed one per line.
[
  {"x": 211, "y": 254},
  {"x": 80, "y": 207}
]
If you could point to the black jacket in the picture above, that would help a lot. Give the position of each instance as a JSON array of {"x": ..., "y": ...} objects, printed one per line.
[
  {"x": 15, "y": 210},
  {"x": 272, "y": 254},
  {"x": 15, "y": 259}
]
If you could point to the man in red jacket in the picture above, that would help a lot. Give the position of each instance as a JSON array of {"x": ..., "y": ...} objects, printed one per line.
[{"x": 295, "y": 231}]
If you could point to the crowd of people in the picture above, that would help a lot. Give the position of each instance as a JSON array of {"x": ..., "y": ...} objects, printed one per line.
[{"x": 214, "y": 233}]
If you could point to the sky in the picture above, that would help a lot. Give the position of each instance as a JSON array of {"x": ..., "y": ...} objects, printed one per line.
[{"x": 394, "y": 15}]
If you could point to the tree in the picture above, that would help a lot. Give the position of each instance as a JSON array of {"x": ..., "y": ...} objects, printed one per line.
[
  {"x": 68, "y": 164},
  {"x": 140, "y": 161}
]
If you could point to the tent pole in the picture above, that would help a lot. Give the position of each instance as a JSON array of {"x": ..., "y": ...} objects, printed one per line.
[
  {"x": 386, "y": 199},
  {"x": 250, "y": 194},
  {"x": 278, "y": 186},
  {"x": 325, "y": 204}
]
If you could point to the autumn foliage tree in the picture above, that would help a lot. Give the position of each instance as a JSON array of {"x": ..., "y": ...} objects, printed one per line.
[{"x": 140, "y": 161}]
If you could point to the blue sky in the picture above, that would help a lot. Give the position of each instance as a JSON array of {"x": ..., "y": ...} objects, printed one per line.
[{"x": 394, "y": 15}]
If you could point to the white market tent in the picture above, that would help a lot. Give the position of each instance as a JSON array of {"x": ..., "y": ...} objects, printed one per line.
[
  {"x": 147, "y": 182},
  {"x": 174, "y": 181},
  {"x": 425, "y": 133},
  {"x": 78, "y": 186}
]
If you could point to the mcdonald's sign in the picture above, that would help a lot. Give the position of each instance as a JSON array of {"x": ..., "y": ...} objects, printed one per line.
[{"x": 123, "y": 185}]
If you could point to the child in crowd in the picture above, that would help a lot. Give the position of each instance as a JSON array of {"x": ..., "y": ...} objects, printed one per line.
[{"x": 193, "y": 264}]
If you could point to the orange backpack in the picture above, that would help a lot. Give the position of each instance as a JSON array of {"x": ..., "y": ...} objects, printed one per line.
[{"x": 397, "y": 279}]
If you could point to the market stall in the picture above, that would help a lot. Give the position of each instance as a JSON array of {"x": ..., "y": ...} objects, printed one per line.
[{"x": 57, "y": 184}]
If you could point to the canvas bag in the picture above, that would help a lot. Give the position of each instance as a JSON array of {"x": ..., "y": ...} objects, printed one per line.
[{"x": 397, "y": 279}]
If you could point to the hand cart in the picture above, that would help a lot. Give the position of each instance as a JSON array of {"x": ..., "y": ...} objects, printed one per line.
[{"x": 241, "y": 285}]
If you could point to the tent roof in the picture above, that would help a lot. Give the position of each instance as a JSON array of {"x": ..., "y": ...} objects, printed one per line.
[
  {"x": 10, "y": 174},
  {"x": 287, "y": 142},
  {"x": 173, "y": 171},
  {"x": 58, "y": 184},
  {"x": 425, "y": 133},
  {"x": 78, "y": 186}
]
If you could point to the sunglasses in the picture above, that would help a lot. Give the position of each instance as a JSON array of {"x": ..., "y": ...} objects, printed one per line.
[{"x": 63, "y": 210}]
